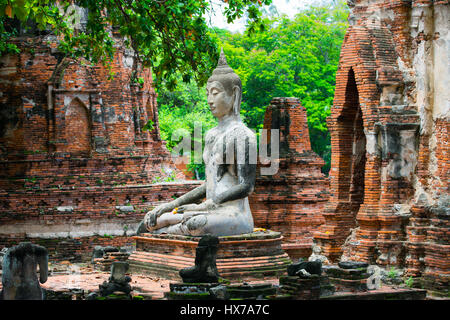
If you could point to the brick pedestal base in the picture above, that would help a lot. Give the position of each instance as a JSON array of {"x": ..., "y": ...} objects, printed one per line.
[{"x": 243, "y": 257}]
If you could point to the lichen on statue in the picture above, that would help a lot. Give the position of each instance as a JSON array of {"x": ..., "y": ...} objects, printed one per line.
[{"x": 230, "y": 167}]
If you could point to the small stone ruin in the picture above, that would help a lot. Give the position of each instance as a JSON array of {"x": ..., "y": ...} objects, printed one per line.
[{"x": 19, "y": 279}]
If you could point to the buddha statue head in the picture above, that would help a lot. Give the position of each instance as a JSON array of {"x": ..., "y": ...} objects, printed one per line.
[{"x": 224, "y": 90}]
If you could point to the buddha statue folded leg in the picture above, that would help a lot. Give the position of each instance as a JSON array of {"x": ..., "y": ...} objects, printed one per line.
[
  {"x": 181, "y": 224},
  {"x": 220, "y": 222}
]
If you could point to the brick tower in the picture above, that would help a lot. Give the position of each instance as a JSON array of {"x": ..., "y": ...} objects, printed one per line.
[
  {"x": 292, "y": 200},
  {"x": 389, "y": 134}
]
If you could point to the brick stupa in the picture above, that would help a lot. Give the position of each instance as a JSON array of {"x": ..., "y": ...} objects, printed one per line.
[{"x": 291, "y": 201}]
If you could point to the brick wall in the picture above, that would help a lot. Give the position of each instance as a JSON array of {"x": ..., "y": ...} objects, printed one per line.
[
  {"x": 70, "y": 249},
  {"x": 75, "y": 162}
]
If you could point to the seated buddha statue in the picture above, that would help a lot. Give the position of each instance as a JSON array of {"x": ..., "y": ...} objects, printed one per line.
[{"x": 220, "y": 205}]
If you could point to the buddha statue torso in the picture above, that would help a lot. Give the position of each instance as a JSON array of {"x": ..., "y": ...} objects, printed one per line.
[{"x": 221, "y": 176}]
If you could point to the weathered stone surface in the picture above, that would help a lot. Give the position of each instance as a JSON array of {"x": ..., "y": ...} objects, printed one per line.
[
  {"x": 191, "y": 291},
  {"x": 250, "y": 291},
  {"x": 205, "y": 268},
  {"x": 219, "y": 292},
  {"x": 352, "y": 264},
  {"x": 347, "y": 279},
  {"x": 311, "y": 288},
  {"x": 19, "y": 277}
]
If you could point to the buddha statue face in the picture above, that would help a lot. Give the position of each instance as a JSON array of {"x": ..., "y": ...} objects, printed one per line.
[
  {"x": 224, "y": 90},
  {"x": 219, "y": 101}
]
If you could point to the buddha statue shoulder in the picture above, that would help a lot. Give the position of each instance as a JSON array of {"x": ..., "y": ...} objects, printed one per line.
[{"x": 220, "y": 205}]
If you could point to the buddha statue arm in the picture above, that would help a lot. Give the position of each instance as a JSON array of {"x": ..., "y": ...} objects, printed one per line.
[
  {"x": 245, "y": 170},
  {"x": 242, "y": 190},
  {"x": 246, "y": 177},
  {"x": 192, "y": 196}
]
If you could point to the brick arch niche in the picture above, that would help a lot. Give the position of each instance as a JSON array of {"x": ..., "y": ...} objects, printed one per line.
[
  {"x": 78, "y": 128},
  {"x": 352, "y": 148}
]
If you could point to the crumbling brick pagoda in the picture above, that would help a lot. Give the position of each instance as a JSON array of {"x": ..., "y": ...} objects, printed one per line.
[
  {"x": 292, "y": 200},
  {"x": 75, "y": 161},
  {"x": 390, "y": 166}
]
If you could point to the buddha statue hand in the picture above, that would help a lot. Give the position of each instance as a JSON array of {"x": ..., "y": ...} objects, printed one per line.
[{"x": 151, "y": 216}]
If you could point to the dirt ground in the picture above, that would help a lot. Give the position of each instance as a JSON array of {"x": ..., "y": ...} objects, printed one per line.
[
  {"x": 66, "y": 277},
  {"x": 71, "y": 277}
]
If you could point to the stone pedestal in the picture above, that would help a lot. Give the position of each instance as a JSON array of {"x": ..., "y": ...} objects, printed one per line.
[
  {"x": 311, "y": 288},
  {"x": 347, "y": 279},
  {"x": 252, "y": 256},
  {"x": 187, "y": 291},
  {"x": 216, "y": 291}
]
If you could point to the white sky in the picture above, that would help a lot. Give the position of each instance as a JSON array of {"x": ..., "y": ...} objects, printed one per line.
[{"x": 288, "y": 7}]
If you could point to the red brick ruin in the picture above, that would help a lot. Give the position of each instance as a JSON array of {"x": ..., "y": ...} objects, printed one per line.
[
  {"x": 389, "y": 133},
  {"x": 76, "y": 167},
  {"x": 292, "y": 200},
  {"x": 75, "y": 162}
]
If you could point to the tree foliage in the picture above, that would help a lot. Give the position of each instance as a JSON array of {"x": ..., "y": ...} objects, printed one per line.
[
  {"x": 276, "y": 56},
  {"x": 168, "y": 35},
  {"x": 291, "y": 58},
  {"x": 181, "y": 110}
]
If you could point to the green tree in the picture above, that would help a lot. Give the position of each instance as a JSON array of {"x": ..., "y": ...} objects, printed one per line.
[
  {"x": 291, "y": 58},
  {"x": 180, "y": 110},
  {"x": 168, "y": 35}
]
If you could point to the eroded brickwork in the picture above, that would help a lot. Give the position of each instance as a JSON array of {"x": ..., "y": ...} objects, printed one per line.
[
  {"x": 389, "y": 132},
  {"x": 75, "y": 161},
  {"x": 292, "y": 200}
]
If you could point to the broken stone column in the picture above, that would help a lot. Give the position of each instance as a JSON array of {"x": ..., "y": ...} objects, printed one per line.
[
  {"x": 200, "y": 282},
  {"x": 19, "y": 277},
  {"x": 118, "y": 280},
  {"x": 349, "y": 276},
  {"x": 205, "y": 268},
  {"x": 305, "y": 281},
  {"x": 117, "y": 286}
]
